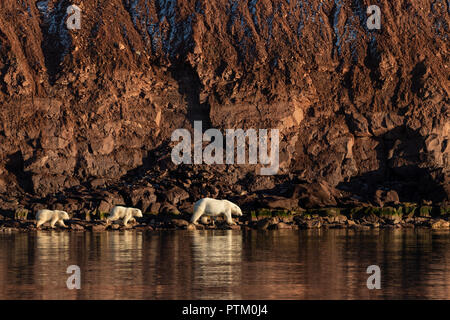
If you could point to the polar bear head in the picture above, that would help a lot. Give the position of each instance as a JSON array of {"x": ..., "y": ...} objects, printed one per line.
[
  {"x": 235, "y": 209},
  {"x": 137, "y": 213},
  {"x": 63, "y": 215}
]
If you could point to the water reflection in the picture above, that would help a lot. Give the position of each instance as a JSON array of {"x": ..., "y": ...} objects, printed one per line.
[
  {"x": 217, "y": 257},
  {"x": 285, "y": 264}
]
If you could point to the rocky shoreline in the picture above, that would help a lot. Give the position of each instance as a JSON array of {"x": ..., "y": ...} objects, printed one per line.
[{"x": 359, "y": 218}]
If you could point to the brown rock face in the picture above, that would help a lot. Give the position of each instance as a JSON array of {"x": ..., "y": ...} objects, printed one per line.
[{"x": 358, "y": 110}]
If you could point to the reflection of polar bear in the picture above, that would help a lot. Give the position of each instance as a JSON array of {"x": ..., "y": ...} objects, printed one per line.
[
  {"x": 52, "y": 216},
  {"x": 220, "y": 269},
  {"x": 127, "y": 214},
  {"x": 212, "y": 207}
]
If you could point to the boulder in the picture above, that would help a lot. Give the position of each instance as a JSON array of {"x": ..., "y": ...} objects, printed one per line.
[
  {"x": 176, "y": 194},
  {"x": 180, "y": 223},
  {"x": 263, "y": 224},
  {"x": 440, "y": 224},
  {"x": 383, "y": 197},
  {"x": 315, "y": 195},
  {"x": 277, "y": 202},
  {"x": 310, "y": 224},
  {"x": 191, "y": 227},
  {"x": 168, "y": 208},
  {"x": 76, "y": 227},
  {"x": 282, "y": 225},
  {"x": 143, "y": 197},
  {"x": 155, "y": 207},
  {"x": 96, "y": 227}
]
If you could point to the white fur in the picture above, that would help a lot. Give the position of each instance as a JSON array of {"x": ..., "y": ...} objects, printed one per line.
[
  {"x": 127, "y": 214},
  {"x": 213, "y": 208},
  {"x": 52, "y": 216}
]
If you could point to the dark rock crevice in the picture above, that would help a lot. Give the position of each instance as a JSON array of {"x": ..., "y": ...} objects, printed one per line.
[{"x": 190, "y": 88}]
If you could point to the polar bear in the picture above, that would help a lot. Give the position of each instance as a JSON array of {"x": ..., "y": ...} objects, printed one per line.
[
  {"x": 213, "y": 208},
  {"x": 127, "y": 214},
  {"x": 52, "y": 216}
]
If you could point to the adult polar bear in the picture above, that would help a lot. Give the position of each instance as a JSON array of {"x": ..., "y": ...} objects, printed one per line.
[
  {"x": 213, "y": 208},
  {"x": 52, "y": 216},
  {"x": 127, "y": 214}
]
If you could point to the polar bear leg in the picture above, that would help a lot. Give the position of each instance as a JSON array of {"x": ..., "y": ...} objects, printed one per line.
[
  {"x": 228, "y": 217},
  {"x": 61, "y": 223},
  {"x": 112, "y": 219},
  {"x": 53, "y": 222},
  {"x": 39, "y": 223},
  {"x": 127, "y": 218},
  {"x": 196, "y": 216},
  {"x": 113, "y": 215}
]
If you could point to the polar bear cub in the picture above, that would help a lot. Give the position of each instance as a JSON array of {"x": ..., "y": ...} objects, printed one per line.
[
  {"x": 127, "y": 214},
  {"x": 213, "y": 208},
  {"x": 52, "y": 216}
]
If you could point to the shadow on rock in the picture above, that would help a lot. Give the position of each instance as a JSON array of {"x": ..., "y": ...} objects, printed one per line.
[{"x": 404, "y": 159}]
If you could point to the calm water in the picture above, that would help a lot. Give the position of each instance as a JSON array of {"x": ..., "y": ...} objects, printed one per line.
[{"x": 286, "y": 264}]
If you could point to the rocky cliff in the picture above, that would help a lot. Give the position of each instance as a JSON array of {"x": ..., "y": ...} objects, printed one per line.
[{"x": 87, "y": 115}]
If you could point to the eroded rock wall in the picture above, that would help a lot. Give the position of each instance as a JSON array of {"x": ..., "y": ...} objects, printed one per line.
[{"x": 358, "y": 109}]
